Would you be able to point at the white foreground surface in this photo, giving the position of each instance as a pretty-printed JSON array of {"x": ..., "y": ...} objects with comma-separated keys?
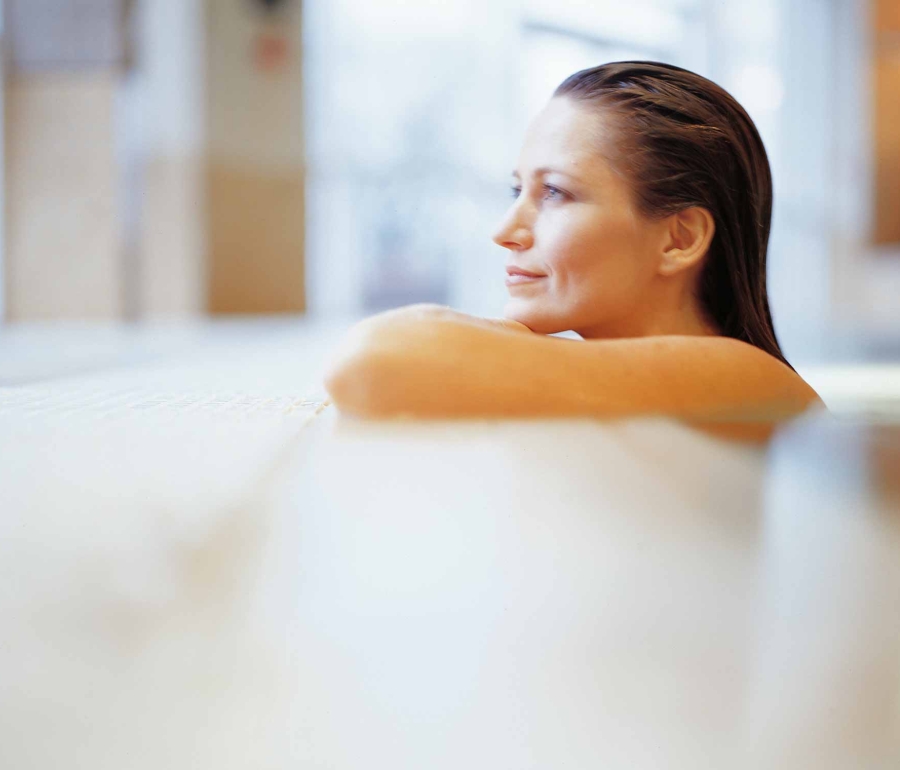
[{"x": 203, "y": 569}]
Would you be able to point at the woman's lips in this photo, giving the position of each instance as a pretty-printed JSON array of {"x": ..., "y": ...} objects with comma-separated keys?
[{"x": 516, "y": 276}]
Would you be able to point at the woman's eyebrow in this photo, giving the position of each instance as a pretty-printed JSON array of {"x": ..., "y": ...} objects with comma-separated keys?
[{"x": 548, "y": 170}]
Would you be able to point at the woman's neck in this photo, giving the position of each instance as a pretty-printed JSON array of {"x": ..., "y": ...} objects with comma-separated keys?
[{"x": 670, "y": 311}]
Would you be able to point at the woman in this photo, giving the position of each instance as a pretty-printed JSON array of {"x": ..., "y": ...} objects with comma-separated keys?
[{"x": 643, "y": 200}]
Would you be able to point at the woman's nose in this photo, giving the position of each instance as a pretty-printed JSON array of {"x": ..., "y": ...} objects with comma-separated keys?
[{"x": 513, "y": 232}]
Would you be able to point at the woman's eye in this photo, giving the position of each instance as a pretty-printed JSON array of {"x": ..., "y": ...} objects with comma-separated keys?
[
  {"x": 554, "y": 193},
  {"x": 550, "y": 192}
]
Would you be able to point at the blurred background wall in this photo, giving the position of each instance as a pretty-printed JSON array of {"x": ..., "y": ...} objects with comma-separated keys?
[{"x": 175, "y": 158}]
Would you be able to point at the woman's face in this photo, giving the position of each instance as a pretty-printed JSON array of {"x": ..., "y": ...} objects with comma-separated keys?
[{"x": 580, "y": 255}]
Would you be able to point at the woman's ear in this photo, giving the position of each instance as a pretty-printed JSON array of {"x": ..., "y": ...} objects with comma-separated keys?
[{"x": 689, "y": 234}]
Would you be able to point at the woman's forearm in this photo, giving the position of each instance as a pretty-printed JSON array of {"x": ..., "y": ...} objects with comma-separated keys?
[
  {"x": 438, "y": 363},
  {"x": 444, "y": 367},
  {"x": 423, "y": 361}
]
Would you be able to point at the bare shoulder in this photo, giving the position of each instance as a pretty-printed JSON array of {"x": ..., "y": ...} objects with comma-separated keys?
[
  {"x": 745, "y": 358},
  {"x": 724, "y": 365}
]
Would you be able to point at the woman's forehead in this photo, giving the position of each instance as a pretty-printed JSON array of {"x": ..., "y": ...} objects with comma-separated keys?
[{"x": 565, "y": 136}]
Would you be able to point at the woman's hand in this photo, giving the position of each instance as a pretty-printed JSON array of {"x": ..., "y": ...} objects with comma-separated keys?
[{"x": 508, "y": 323}]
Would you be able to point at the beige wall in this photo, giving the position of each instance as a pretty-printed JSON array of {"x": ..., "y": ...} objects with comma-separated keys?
[
  {"x": 255, "y": 241},
  {"x": 62, "y": 235},
  {"x": 255, "y": 175},
  {"x": 886, "y": 94}
]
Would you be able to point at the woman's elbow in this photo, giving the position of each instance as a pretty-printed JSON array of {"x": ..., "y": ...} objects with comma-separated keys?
[
  {"x": 386, "y": 367},
  {"x": 358, "y": 379},
  {"x": 351, "y": 382}
]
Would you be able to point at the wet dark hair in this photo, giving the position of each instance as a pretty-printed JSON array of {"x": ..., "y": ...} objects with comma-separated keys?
[{"x": 684, "y": 141}]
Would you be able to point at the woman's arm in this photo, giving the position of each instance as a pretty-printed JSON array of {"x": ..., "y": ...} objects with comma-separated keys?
[{"x": 432, "y": 362}]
